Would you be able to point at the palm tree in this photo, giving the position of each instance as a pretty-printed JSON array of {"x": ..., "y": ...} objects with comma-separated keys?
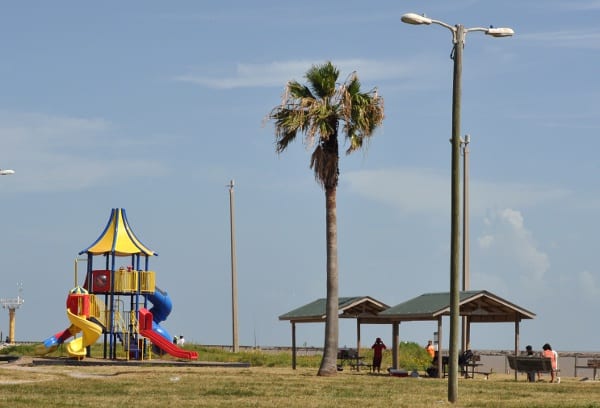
[{"x": 316, "y": 110}]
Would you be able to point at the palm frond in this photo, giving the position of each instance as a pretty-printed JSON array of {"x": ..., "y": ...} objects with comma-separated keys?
[
  {"x": 298, "y": 91},
  {"x": 363, "y": 113},
  {"x": 353, "y": 84},
  {"x": 323, "y": 79},
  {"x": 288, "y": 122}
]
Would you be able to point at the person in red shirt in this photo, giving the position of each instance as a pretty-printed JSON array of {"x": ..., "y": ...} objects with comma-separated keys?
[{"x": 378, "y": 348}]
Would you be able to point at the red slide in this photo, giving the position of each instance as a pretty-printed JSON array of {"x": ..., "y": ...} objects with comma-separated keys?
[{"x": 159, "y": 341}]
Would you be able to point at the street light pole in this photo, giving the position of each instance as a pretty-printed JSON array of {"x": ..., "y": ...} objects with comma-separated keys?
[
  {"x": 455, "y": 216},
  {"x": 459, "y": 33}
]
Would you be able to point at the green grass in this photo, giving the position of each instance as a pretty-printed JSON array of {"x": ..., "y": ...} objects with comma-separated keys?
[
  {"x": 271, "y": 384},
  {"x": 411, "y": 355}
]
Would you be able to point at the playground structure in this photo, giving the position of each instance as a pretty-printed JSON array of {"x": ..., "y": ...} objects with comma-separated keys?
[
  {"x": 12, "y": 304},
  {"x": 114, "y": 301}
]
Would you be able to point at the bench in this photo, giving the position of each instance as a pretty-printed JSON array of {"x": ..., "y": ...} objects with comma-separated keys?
[{"x": 530, "y": 364}]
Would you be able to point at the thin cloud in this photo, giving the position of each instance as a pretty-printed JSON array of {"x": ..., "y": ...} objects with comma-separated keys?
[
  {"x": 18, "y": 128},
  {"x": 589, "y": 285},
  {"x": 486, "y": 195},
  {"x": 57, "y": 153},
  {"x": 426, "y": 191},
  {"x": 253, "y": 16},
  {"x": 276, "y": 74},
  {"x": 407, "y": 190},
  {"x": 581, "y": 38},
  {"x": 485, "y": 241},
  {"x": 584, "y": 119},
  {"x": 580, "y": 5}
]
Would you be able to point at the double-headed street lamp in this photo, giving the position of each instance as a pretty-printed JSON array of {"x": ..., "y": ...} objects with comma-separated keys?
[{"x": 459, "y": 33}]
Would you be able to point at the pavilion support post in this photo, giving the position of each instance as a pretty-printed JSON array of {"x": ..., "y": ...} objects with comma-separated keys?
[
  {"x": 468, "y": 338},
  {"x": 293, "y": 345},
  {"x": 440, "y": 360},
  {"x": 395, "y": 344},
  {"x": 517, "y": 335},
  {"x": 357, "y": 342}
]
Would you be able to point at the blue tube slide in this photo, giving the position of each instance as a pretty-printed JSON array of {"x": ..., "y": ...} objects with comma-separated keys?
[{"x": 161, "y": 308}]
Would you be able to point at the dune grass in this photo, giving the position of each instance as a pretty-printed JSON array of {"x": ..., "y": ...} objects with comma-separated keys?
[{"x": 270, "y": 384}]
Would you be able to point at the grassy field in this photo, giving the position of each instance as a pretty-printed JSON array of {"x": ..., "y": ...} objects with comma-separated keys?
[{"x": 272, "y": 383}]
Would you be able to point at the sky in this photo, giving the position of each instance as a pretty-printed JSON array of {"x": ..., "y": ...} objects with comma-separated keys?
[{"x": 155, "y": 106}]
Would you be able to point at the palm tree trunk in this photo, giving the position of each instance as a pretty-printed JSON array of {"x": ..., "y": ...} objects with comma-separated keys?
[{"x": 329, "y": 362}]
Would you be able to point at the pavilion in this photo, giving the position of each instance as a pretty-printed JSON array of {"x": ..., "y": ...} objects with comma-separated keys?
[{"x": 478, "y": 306}]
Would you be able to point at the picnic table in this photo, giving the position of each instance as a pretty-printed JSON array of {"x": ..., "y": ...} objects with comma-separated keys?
[
  {"x": 594, "y": 364},
  {"x": 473, "y": 365},
  {"x": 349, "y": 356},
  {"x": 467, "y": 368}
]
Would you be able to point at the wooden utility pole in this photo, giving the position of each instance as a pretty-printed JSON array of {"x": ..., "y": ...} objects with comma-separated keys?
[{"x": 234, "y": 305}]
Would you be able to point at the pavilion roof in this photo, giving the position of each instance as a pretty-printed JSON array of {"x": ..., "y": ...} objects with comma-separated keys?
[
  {"x": 480, "y": 305},
  {"x": 349, "y": 307}
]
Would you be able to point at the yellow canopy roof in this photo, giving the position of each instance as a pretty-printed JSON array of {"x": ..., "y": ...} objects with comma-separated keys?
[{"x": 118, "y": 238}]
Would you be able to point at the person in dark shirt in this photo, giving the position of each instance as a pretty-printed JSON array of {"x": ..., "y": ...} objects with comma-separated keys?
[
  {"x": 529, "y": 353},
  {"x": 378, "y": 348}
]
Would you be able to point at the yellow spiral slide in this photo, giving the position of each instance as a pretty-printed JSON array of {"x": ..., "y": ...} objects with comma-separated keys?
[{"x": 90, "y": 333}]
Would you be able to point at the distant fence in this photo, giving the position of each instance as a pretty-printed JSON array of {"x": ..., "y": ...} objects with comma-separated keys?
[
  {"x": 304, "y": 350},
  {"x": 571, "y": 363}
]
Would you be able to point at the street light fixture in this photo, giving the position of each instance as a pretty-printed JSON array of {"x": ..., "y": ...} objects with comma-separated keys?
[
  {"x": 459, "y": 33},
  {"x": 417, "y": 19},
  {"x": 6, "y": 172}
]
